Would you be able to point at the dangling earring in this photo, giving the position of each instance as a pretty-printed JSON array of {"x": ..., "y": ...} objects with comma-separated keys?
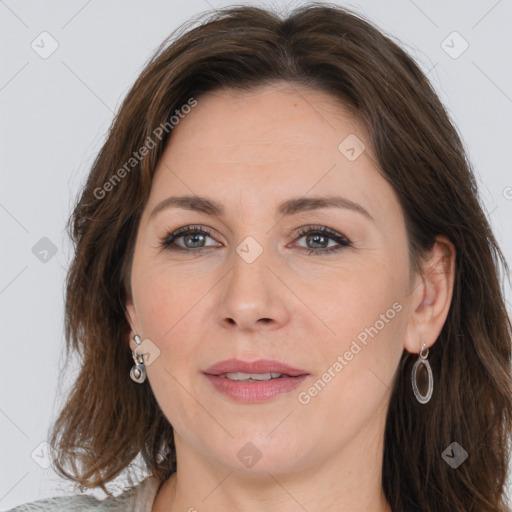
[
  {"x": 138, "y": 371},
  {"x": 422, "y": 378}
]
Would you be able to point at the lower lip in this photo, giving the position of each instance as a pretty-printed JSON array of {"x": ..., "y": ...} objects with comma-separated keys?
[{"x": 250, "y": 392}]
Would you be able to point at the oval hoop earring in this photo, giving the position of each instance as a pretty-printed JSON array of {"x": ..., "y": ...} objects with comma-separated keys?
[
  {"x": 138, "y": 370},
  {"x": 422, "y": 377}
]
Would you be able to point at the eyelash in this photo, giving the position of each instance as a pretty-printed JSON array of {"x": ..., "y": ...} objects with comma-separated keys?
[{"x": 167, "y": 241}]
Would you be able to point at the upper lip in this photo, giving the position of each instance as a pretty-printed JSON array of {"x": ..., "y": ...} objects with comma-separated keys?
[{"x": 258, "y": 366}]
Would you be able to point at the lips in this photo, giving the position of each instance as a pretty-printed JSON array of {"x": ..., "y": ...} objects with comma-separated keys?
[{"x": 259, "y": 366}]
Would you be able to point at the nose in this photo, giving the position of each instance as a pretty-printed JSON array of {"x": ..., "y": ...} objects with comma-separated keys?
[{"x": 253, "y": 295}]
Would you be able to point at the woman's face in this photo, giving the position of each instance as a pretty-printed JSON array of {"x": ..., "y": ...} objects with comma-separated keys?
[{"x": 255, "y": 288}]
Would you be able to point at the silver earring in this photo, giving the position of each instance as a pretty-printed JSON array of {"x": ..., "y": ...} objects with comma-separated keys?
[
  {"x": 138, "y": 371},
  {"x": 422, "y": 378}
]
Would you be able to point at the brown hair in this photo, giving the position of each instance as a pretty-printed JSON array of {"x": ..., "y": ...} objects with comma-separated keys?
[{"x": 108, "y": 419}]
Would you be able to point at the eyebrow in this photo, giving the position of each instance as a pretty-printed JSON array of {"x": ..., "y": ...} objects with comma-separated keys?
[{"x": 288, "y": 207}]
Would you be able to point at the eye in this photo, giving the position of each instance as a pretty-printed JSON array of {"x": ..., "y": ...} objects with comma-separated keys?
[
  {"x": 321, "y": 235},
  {"x": 194, "y": 237}
]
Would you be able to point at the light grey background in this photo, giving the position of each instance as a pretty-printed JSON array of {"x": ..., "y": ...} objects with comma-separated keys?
[{"x": 55, "y": 112}]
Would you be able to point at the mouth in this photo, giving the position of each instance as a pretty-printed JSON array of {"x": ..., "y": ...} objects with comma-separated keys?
[{"x": 254, "y": 381}]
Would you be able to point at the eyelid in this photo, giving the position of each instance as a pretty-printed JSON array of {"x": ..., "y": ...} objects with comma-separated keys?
[
  {"x": 181, "y": 231},
  {"x": 303, "y": 230}
]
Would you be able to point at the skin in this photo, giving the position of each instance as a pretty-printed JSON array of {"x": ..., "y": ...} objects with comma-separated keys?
[{"x": 251, "y": 151}]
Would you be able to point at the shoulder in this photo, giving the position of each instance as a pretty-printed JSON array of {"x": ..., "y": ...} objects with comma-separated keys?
[
  {"x": 58, "y": 503},
  {"x": 139, "y": 499}
]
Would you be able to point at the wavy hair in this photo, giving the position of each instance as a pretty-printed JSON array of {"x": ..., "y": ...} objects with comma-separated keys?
[{"x": 107, "y": 420}]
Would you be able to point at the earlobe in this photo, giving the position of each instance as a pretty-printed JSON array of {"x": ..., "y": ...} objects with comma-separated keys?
[{"x": 432, "y": 298}]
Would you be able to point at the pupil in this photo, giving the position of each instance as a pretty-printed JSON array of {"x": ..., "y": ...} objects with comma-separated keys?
[
  {"x": 316, "y": 237},
  {"x": 188, "y": 237}
]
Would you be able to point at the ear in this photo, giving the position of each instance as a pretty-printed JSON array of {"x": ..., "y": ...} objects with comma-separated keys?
[
  {"x": 132, "y": 319},
  {"x": 431, "y": 296}
]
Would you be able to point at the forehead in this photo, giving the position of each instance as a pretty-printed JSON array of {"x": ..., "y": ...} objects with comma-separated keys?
[
  {"x": 267, "y": 116},
  {"x": 271, "y": 142}
]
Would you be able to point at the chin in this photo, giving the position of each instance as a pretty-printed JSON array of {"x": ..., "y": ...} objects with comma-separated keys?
[{"x": 258, "y": 457}]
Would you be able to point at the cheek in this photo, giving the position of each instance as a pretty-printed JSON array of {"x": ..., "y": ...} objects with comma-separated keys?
[
  {"x": 167, "y": 308},
  {"x": 167, "y": 314},
  {"x": 356, "y": 367},
  {"x": 364, "y": 311},
  {"x": 352, "y": 298},
  {"x": 163, "y": 295}
]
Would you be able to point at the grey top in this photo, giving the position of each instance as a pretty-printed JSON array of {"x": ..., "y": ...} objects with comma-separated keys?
[{"x": 139, "y": 498}]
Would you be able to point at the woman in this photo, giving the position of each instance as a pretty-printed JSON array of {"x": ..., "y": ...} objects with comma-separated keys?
[{"x": 281, "y": 243}]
